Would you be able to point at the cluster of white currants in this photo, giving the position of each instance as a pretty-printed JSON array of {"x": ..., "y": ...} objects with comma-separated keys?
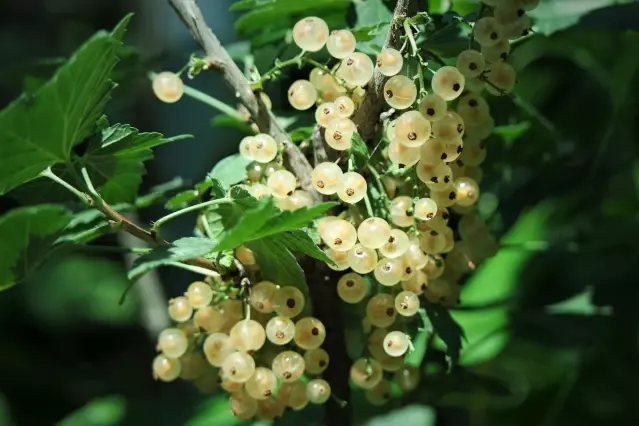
[{"x": 259, "y": 360}]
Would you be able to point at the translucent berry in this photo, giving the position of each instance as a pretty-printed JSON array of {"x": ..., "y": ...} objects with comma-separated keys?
[
  {"x": 238, "y": 367},
  {"x": 416, "y": 254},
  {"x": 262, "y": 295},
  {"x": 519, "y": 28},
  {"x": 299, "y": 199},
  {"x": 339, "y": 235},
  {"x": 293, "y": 395},
  {"x": 435, "y": 266},
  {"x": 217, "y": 347},
  {"x": 309, "y": 333},
  {"x": 353, "y": 188},
  {"x": 390, "y": 62},
  {"x": 302, "y": 95},
  {"x": 380, "y": 394},
  {"x": 417, "y": 284},
  {"x": 209, "y": 319},
  {"x": 373, "y": 232},
  {"x": 507, "y": 12},
  {"x": 318, "y": 391},
  {"x": 401, "y": 211},
  {"x": 327, "y": 178},
  {"x": 262, "y": 383},
  {"x": 310, "y": 33},
  {"x": 497, "y": 53},
  {"x": 339, "y": 133},
  {"x": 280, "y": 330},
  {"x": 229, "y": 385},
  {"x": 449, "y": 128},
  {"x": 488, "y": 31},
  {"x": 400, "y": 92},
  {"x": 180, "y": 309},
  {"x": 407, "y": 303},
  {"x": 288, "y": 366},
  {"x": 467, "y": 191},
  {"x": 173, "y": 342},
  {"x": 433, "y": 152},
  {"x": 388, "y": 272},
  {"x": 432, "y": 241},
  {"x": 425, "y": 209},
  {"x": 448, "y": 83},
  {"x": 193, "y": 365},
  {"x": 396, "y": 245},
  {"x": 344, "y": 106},
  {"x": 339, "y": 257},
  {"x": 362, "y": 259},
  {"x": 473, "y": 109},
  {"x": 407, "y": 377},
  {"x": 396, "y": 343},
  {"x": 270, "y": 409},
  {"x": 263, "y": 148},
  {"x": 288, "y": 301},
  {"x": 474, "y": 152},
  {"x": 341, "y": 43},
  {"x": 165, "y": 368},
  {"x": 453, "y": 150},
  {"x": 282, "y": 183},
  {"x": 433, "y": 107},
  {"x": 247, "y": 335},
  {"x": 168, "y": 87},
  {"x": 470, "y": 63},
  {"x": 257, "y": 190},
  {"x": 401, "y": 155},
  {"x": 501, "y": 78},
  {"x": 412, "y": 129},
  {"x": 351, "y": 288},
  {"x": 316, "y": 360},
  {"x": 242, "y": 405},
  {"x": 356, "y": 69},
  {"x": 435, "y": 177},
  {"x": 380, "y": 308},
  {"x": 450, "y": 239},
  {"x": 325, "y": 113},
  {"x": 245, "y": 147},
  {"x": 366, "y": 373}
]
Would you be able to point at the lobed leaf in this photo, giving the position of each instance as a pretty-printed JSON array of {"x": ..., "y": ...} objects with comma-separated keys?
[{"x": 231, "y": 170}]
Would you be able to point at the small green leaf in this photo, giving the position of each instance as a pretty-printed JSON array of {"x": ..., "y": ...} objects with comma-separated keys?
[
  {"x": 552, "y": 16},
  {"x": 184, "y": 199},
  {"x": 27, "y": 235},
  {"x": 448, "y": 330},
  {"x": 369, "y": 32},
  {"x": 232, "y": 122},
  {"x": 179, "y": 251},
  {"x": 300, "y": 242},
  {"x": 231, "y": 170},
  {"x": 292, "y": 220},
  {"x": 247, "y": 226},
  {"x": 277, "y": 263},
  {"x": 359, "y": 151},
  {"x": 371, "y": 13},
  {"x": 512, "y": 132},
  {"x": 158, "y": 193},
  {"x": 301, "y": 133}
]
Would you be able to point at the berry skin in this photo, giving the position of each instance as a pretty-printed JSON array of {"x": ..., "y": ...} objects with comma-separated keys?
[
  {"x": 435, "y": 266},
  {"x": 380, "y": 310},
  {"x": 168, "y": 87},
  {"x": 318, "y": 391},
  {"x": 497, "y": 53},
  {"x": 435, "y": 177},
  {"x": 353, "y": 188},
  {"x": 449, "y": 128},
  {"x": 396, "y": 245},
  {"x": 238, "y": 367},
  {"x": 199, "y": 294},
  {"x": 327, "y": 178},
  {"x": 373, "y": 232},
  {"x": 412, "y": 129},
  {"x": 309, "y": 333},
  {"x": 470, "y": 63},
  {"x": 344, "y": 107},
  {"x": 257, "y": 190},
  {"x": 262, "y": 383},
  {"x": 401, "y": 211},
  {"x": 245, "y": 147},
  {"x": 339, "y": 133},
  {"x": 325, "y": 113},
  {"x": 280, "y": 330},
  {"x": 165, "y": 368},
  {"x": 488, "y": 31},
  {"x": 173, "y": 342},
  {"x": 433, "y": 107},
  {"x": 310, "y": 33},
  {"x": 356, "y": 69},
  {"x": 302, "y": 95},
  {"x": 339, "y": 235},
  {"x": 406, "y": 303},
  {"x": 433, "y": 152},
  {"x": 388, "y": 272},
  {"x": 390, "y": 62},
  {"x": 362, "y": 259},
  {"x": 242, "y": 405},
  {"x": 217, "y": 347},
  {"x": 425, "y": 209},
  {"x": 247, "y": 335},
  {"x": 400, "y": 92},
  {"x": 299, "y": 199},
  {"x": 448, "y": 83},
  {"x": 395, "y": 343},
  {"x": 282, "y": 183},
  {"x": 288, "y": 366},
  {"x": 417, "y": 284},
  {"x": 432, "y": 241},
  {"x": 341, "y": 43},
  {"x": 407, "y": 377},
  {"x": 474, "y": 152},
  {"x": 473, "y": 109},
  {"x": 501, "y": 78},
  {"x": 416, "y": 255},
  {"x": 288, "y": 301},
  {"x": 180, "y": 309},
  {"x": 467, "y": 191},
  {"x": 316, "y": 360},
  {"x": 366, "y": 373},
  {"x": 269, "y": 410},
  {"x": 351, "y": 288},
  {"x": 401, "y": 155},
  {"x": 264, "y": 148},
  {"x": 293, "y": 395},
  {"x": 339, "y": 257},
  {"x": 262, "y": 295},
  {"x": 508, "y": 12}
]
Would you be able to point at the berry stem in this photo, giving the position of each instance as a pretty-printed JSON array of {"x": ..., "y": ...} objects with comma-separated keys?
[
  {"x": 411, "y": 37},
  {"x": 206, "y": 227},
  {"x": 369, "y": 208},
  {"x": 197, "y": 270},
  {"x": 171, "y": 216},
  {"x": 48, "y": 173}
]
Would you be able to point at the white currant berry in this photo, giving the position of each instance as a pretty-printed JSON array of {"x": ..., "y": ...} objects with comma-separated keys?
[
  {"x": 302, "y": 95},
  {"x": 488, "y": 31},
  {"x": 264, "y": 148},
  {"x": 299, "y": 199},
  {"x": 396, "y": 343},
  {"x": 481, "y": 131},
  {"x": 388, "y": 272},
  {"x": 366, "y": 373},
  {"x": 435, "y": 177},
  {"x": 165, "y": 368},
  {"x": 390, "y": 62},
  {"x": 209, "y": 319},
  {"x": 507, "y": 12},
  {"x": 199, "y": 294},
  {"x": 261, "y": 296},
  {"x": 310, "y": 33},
  {"x": 435, "y": 266},
  {"x": 339, "y": 257},
  {"x": 470, "y": 63},
  {"x": 242, "y": 405},
  {"x": 396, "y": 245},
  {"x": 173, "y": 342},
  {"x": 448, "y": 83},
  {"x": 217, "y": 347},
  {"x": 401, "y": 211},
  {"x": 380, "y": 394},
  {"x": 262, "y": 383},
  {"x": 168, "y": 87},
  {"x": 238, "y": 367},
  {"x": 453, "y": 150},
  {"x": 356, "y": 69},
  {"x": 351, "y": 288},
  {"x": 417, "y": 284},
  {"x": 353, "y": 188},
  {"x": 245, "y": 147},
  {"x": 293, "y": 395},
  {"x": 341, "y": 43},
  {"x": 449, "y": 128},
  {"x": 407, "y": 303},
  {"x": 403, "y": 156},
  {"x": 362, "y": 259},
  {"x": 416, "y": 254},
  {"x": 344, "y": 106},
  {"x": 180, "y": 309},
  {"x": 247, "y": 335},
  {"x": 400, "y": 92},
  {"x": 270, "y": 409},
  {"x": 280, "y": 330},
  {"x": 327, "y": 178},
  {"x": 433, "y": 152},
  {"x": 432, "y": 241},
  {"x": 288, "y": 366},
  {"x": 373, "y": 232},
  {"x": 282, "y": 183},
  {"x": 309, "y": 333},
  {"x": 498, "y": 52},
  {"x": 380, "y": 309},
  {"x": 325, "y": 113},
  {"x": 517, "y": 29},
  {"x": 473, "y": 109},
  {"x": 433, "y": 107},
  {"x": 474, "y": 152},
  {"x": 412, "y": 129},
  {"x": 449, "y": 236},
  {"x": 316, "y": 360},
  {"x": 425, "y": 209},
  {"x": 339, "y": 235},
  {"x": 467, "y": 191},
  {"x": 500, "y": 78},
  {"x": 407, "y": 377},
  {"x": 339, "y": 133},
  {"x": 257, "y": 190},
  {"x": 288, "y": 301},
  {"x": 318, "y": 391}
]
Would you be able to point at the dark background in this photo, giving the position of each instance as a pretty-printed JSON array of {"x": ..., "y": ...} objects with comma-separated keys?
[{"x": 551, "y": 322}]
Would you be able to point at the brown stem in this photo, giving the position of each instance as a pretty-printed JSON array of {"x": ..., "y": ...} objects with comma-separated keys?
[
  {"x": 192, "y": 17},
  {"x": 367, "y": 115}
]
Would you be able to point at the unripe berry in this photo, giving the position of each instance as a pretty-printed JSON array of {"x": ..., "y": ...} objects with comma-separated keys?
[
  {"x": 280, "y": 330},
  {"x": 390, "y": 62},
  {"x": 351, "y": 288},
  {"x": 448, "y": 83},
  {"x": 302, "y": 95},
  {"x": 435, "y": 266},
  {"x": 310, "y": 33},
  {"x": 400, "y": 92},
  {"x": 257, "y": 190},
  {"x": 168, "y": 87},
  {"x": 341, "y": 43},
  {"x": 356, "y": 69},
  {"x": 353, "y": 188}
]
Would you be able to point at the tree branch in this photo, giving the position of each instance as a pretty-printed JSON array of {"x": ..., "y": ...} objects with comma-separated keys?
[
  {"x": 367, "y": 115},
  {"x": 222, "y": 62}
]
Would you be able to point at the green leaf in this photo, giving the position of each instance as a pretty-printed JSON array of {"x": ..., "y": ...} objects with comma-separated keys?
[
  {"x": 105, "y": 411},
  {"x": 158, "y": 193},
  {"x": 369, "y": 32},
  {"x": 277, "y": 263},
  {"x": 27, "y": 234},
  {"x": 231, "y": 170},
  {"x": 115, "y": 162},
  {"x": 359, "y": 151},
  {"x": 372, "y": 13},
  {"x": 293, "y": 220},
  {"x": 411, "y": 415},
  {"x": 232, "y": 122},
  {"x": 300, "y": 242},
  {"x": 39, "y": 130},
  {"x": 186, "y": 198},
  {"x": 448, "y": 330},
  {"x": 301, "y": 133},
  {"x": 179, "y": 251},
  {"x": 512, "y": 132},
  {"x": 580, "y": 304},
  {"x": 551, "y": 15},
  {"x": 247, "y": 226}
]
